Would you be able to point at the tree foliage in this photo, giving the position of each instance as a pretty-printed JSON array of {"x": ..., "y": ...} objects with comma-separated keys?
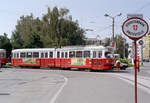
[
  {"x": 121, "y": 45},
  {"x": 34, "y": 42},
  {"x": 5, "y": 44},
  {"x": 56, "y": 28}
]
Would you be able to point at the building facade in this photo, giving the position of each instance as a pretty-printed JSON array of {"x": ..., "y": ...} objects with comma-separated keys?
[{"x": 146, "y": 48}]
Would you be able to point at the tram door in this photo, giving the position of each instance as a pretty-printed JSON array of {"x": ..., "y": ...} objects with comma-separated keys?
[{"x": 97, "y": 60}]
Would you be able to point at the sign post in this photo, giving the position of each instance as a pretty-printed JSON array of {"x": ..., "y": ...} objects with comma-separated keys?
[{"x": 135, "y": 28}]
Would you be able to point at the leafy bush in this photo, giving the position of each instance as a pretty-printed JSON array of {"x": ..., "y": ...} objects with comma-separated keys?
[{"x": 125, "y": 61}]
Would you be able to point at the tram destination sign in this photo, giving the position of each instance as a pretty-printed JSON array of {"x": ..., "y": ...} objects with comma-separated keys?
[{"x": 135, "y": 28}]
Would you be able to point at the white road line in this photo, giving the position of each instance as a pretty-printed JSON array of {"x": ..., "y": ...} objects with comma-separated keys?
[
  {"x": 59, "y": 91},
  {"x": 130, "y": 79}
]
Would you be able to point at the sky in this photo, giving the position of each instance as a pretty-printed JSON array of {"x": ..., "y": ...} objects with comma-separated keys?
[{"x": 89, "y": 13}]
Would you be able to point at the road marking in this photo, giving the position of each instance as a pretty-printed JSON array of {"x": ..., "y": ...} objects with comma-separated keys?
[
  {"x": 142, "y": 83},
  {"x": 59, "y": 91}
]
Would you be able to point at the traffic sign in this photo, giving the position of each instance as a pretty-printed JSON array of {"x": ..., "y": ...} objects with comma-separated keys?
[
  {"x": 135, "y": 28},
  {"x": 141, "y": 42},
  {"x": 134, "y": 15}
]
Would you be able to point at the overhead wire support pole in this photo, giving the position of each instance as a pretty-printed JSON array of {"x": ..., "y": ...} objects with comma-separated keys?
[
  {"x": 113, "y": 33},
  {"x": 113, "y": 24}
]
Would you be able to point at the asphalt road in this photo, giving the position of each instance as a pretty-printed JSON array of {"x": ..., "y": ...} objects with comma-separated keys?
[{"x": 63, "y": 86}]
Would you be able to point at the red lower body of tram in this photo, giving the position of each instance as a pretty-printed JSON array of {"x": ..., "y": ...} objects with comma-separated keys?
[
  {"x": 97, "y": 64},
  {"x": 2, "y": 61}
]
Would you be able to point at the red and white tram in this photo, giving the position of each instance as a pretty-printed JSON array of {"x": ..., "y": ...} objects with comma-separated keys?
[
  {"x": 91, "y": 57},
  {"x": 2, "y": 57}
]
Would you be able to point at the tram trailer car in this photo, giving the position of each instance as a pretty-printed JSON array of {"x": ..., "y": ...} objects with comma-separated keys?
[
  {"x": 91, "y": 57},
  {"x": 2, "y": 57}
]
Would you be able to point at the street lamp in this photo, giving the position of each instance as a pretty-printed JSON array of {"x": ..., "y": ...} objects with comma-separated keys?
[{"x": 113, "y": 22}]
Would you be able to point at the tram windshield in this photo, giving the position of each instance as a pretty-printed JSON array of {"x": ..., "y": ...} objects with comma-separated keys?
[{"x": 108, "y": 55}]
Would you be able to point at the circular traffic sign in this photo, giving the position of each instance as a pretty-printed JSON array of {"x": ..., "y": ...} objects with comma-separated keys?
[
  {"x": 141, "y": 42},
  {"x": 135, "y": 28}
]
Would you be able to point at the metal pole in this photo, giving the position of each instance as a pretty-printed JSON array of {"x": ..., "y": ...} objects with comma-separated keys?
[
  {"x": 142, "y": 54},
  {"x": 113, "y": 23},
  {"x": 124, "y": 49},
  {"x": 135, "y": 71}
]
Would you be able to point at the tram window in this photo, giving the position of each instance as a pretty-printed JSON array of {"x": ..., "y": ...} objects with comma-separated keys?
[
  {"x": 99, "y": 54},
  {"x": 35, "y": 54},
  {"x": 46, "y": 55},
  {"x": 86, "y": 54},
  {"x": 14, "y": 55},
  {"x": 58, "y": 54},
  {"x": 66, "y": 54},
  {"x": 79, "y": 54},
  {"x": 50, "y": 54},
  {"x": 17, "y": 55},
  {"x": 22, "y": 55},
  {"x": 42, "y": 55},
  {"x": 72, "y": 54},
  {"x": 107, "y": 55},
  {"x": 29, "y": 55},
  {"x": 62, "y": 54},
  {"x": 2, "y": 55},
  {"x": 94, "y": 54}
]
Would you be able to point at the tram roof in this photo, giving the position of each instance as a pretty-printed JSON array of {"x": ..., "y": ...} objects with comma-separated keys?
[
  {"x": 2, "y": 50},
  {"x": 65, "y": 48},
  {"x": 33, "y": 50},
  {"x": 87, "y": 47}
]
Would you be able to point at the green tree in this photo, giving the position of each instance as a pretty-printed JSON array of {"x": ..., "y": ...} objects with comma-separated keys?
[
  {"x": 121, "y": 45},
  {"x": 5, "y": 44},
  {"x": 34, "y": 42},
  {"x": 55, "y": 29},
  {"x": 107, "y": 41},
  {"x": 16, "y": 40}
]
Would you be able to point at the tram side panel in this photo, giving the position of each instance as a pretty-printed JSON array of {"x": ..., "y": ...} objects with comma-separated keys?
[
  {"x": 65, "y": 63},
  {"x": 102, "y": 64},
  {"x": 16, "y": 61},
  {"x": 2, "y": 57},
  {"x": 29, "y": 62},
  {"x": 80, "y": 63}
]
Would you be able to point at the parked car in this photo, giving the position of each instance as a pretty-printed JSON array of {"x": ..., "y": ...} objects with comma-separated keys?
[
  {"x": 123, "y": 66},
  {"x": 146, "y": 60}
]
